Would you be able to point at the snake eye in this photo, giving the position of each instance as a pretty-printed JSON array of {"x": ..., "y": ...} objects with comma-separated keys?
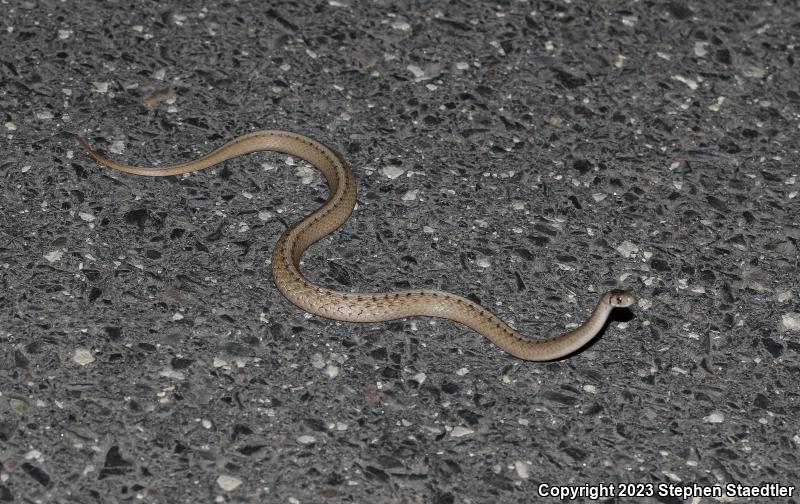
[{"x": 619, "y": 298}]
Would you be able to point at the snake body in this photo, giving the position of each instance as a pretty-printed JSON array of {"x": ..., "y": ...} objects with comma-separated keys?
[{"x": 369, "y": 307}]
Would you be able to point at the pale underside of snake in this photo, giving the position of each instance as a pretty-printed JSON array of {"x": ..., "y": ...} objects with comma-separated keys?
[{"x": 368, "y": 306}]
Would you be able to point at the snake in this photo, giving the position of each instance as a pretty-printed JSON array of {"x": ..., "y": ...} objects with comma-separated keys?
[{"x": 369, "y": 306}]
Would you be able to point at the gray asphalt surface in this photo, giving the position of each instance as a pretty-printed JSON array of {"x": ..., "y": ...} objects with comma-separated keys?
[{"x": 529, "y": 155}]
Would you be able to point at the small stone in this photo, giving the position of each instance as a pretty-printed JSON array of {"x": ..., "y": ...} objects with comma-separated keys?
[
  {"x": 401, "y": 25},
  {"x": 332, "y": 371},
  {"x": 54, "y": 256},
  {"x": 715, "y": 417},
  {"x": 86, "y": 216},
  {"x": 791, "y": 321},
  {"x": 306, "y": 174},
  {"x": 306, "y": 440},
  {"x": 758, "y": 286},
  {"x": 627, "y": 249},
  {"x": 753, "y": 71},
  {"x": 18, "y": 405},
  {"x": 700, "y": 49},
  {"x": 410, "y": 195},
  {"x": 171, "y": 373},
  {"x": 392, "y": 172},
  {"x": 714, "y": 107},
  {"x": 691, "y": 83},
  {"x": 522, "y": 469},
  {"x": 460, "y": 432},
  {"x": 419, "y": 73},
  {"x": 83, "y": 356},
  {"x": 100, "y": 87},
  {"x": 317, "y": 361},
  {"x": 117, "y": 147},
  {"x": 33, "y": 455},
  {"x": 228, "y": 483}
]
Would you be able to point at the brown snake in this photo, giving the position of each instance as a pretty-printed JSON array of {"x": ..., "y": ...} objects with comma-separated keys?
[{"x": 378, "y": 306}]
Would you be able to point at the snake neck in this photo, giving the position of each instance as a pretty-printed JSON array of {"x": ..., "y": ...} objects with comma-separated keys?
[{"x": 586, "y": 332}]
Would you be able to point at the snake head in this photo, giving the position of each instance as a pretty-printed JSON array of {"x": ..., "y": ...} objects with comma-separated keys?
[{"x": 617, "y": 298}]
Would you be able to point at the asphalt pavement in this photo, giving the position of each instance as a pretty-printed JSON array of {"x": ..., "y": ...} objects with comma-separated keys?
[{"x": 527, "y": 155}]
